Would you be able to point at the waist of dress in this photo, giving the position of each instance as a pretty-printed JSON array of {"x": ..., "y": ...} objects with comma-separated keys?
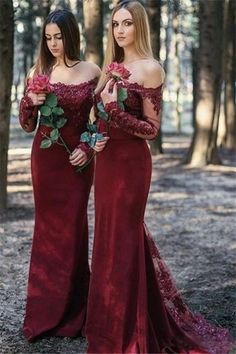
[
  {"x": 65, "y": 131},
  {"x": 119, "y": 134}
]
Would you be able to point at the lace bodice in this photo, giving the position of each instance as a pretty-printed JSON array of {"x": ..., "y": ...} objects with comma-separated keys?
[
  {"x": 141, "y": 116},
  {"x": 75, "y": 99}
]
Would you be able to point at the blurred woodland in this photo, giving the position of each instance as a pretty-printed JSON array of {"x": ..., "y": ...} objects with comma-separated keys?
[{"x": 194, "y": 40}]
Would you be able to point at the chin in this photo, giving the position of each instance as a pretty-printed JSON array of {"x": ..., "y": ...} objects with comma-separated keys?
[{"x": 121, "y": 45}]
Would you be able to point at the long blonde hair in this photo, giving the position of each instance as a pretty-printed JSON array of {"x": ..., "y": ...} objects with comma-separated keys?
[{"x": 142, "y": 38}]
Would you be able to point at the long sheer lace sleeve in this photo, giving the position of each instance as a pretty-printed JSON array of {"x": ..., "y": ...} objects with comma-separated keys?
[
  {"x": 28, "y": 114},
  {"x": 148, "y": 126}
]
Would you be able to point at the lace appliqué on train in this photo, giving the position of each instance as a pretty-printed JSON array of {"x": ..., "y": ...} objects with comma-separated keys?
[{"x": 213, "y": 339}]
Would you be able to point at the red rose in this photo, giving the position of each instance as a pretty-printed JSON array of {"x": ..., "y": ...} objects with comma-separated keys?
[
  {"x": 39, "y": 83},
  {"x": 117, "y": 71}
]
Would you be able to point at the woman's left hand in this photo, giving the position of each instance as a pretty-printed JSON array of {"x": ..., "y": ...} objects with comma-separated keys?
[
  {"x": 109, "y": 93},
  {"x": 78, "y": 157}
]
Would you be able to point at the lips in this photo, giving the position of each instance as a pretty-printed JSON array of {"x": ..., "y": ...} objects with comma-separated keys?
[{"x": 120, "y": 38}]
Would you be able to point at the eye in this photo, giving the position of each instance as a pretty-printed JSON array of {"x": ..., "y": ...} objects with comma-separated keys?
[
  {"x": 58, "y": 36},
  {"x": 128, "y": 23},
  {"x": 48, "y": 38},
  {"x": 114, "y": 24}
]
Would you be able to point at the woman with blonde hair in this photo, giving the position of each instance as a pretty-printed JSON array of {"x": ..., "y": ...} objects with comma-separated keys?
[{"x": 133, "y": 304}]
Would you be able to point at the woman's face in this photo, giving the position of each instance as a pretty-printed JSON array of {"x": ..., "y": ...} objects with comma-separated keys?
[
  {"x": 123, "y": 28},
  {"x": 54, "y": 41}
]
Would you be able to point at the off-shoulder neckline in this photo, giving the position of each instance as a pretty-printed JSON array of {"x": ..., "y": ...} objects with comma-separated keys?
[
  {"x": 74, "y": 85},
  {"x": 143, "y": 87}
]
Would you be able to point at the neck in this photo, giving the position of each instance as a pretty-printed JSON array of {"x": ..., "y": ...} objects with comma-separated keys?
[
  {"x": 60, "y": 62},
  {"x": 130, "y": 55}
]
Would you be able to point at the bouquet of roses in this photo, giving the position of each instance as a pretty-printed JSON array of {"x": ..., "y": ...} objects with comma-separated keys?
[
  {"x": 117, "y": 72},
  {"x": 51, "y": 114}
]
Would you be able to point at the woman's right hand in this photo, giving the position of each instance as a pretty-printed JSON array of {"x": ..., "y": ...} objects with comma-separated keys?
[
  {"x": 37, "y": 98},
  {"x": 100, "y": 144}
]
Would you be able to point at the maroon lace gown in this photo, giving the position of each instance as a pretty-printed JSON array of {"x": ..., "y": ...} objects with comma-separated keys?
[
  {"x": 59, "y": 272},
  {"x": 133, "y": 304}
]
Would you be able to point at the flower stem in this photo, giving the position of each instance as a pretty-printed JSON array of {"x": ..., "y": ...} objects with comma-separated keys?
[
  {"x": 80, "y": 168},
  {"x": 64, "y": 144}
]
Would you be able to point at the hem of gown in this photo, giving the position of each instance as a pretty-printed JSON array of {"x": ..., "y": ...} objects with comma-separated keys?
[{"x": 33, "y": 337}]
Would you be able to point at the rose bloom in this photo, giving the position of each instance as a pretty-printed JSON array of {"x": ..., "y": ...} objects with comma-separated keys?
[
  {"x": 39, "y": 83},
  {"x": 117, "y": 71}
]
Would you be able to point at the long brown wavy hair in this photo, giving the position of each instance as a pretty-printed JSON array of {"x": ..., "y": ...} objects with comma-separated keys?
[{"x": 69, "y": 28}]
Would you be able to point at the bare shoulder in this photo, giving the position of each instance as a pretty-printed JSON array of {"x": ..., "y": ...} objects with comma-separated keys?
[
  {"x": 93, "y": 70},
  {"x": 154, "y": 74}
]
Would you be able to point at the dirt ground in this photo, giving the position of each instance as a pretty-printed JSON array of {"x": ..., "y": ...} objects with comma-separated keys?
[{"x": 191, "y": 214}]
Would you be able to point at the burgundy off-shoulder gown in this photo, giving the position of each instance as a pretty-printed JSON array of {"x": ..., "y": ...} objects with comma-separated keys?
[
  {"x": 59, "y": 272},
  {"x": 133, "y": 304}
]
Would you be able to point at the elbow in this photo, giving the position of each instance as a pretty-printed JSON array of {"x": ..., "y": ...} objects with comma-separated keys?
[
  {"x": 28, "y": 128},
  {"x": 153, "y": 135}
]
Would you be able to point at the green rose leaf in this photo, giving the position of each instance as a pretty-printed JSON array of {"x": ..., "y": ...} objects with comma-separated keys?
[
  {"x": 121, "y": 105},
  {"x": 46, "y": 121},
  {"x": 103, "y": 115},
  {"x": 45, "y": 143},
  {"x": 85, "y": 137},
  {"x": 99, "y": 136},
  {"x": 54, "y": 135},
  {"x": 100, "y": 107},
  {"x": 60, "y": 122},
  {"x": 45, "y": 111},
  {"x": 57, "y": 111},
  {"x": 122, "y": 94},
  {"x": 92, "y": 128},
  {"x": 101, "y": 111},
  {"x": 51, "y": 100}
]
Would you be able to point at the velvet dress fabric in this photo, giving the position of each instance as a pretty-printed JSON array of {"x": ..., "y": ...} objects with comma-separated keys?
[
  {"x": 59, "y": 271},
  {"x": 133, "y": 304}
]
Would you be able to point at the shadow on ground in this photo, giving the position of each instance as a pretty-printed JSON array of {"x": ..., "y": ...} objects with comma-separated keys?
[{"x": 191, "y": 214}]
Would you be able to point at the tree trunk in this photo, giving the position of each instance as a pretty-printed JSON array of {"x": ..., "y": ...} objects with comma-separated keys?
[
  {"x": 6, "y": 76},
  {"x": 45, "y": 8},
  {"x": 154, "y": 14},
  {"x": 229, "y": 140},
  {"x": 194, "y": 78},
  {"x": 93, "y": 25},
  {"x": 29, "y": 45},
  {"x": 203, "y": 148},
  {"x": 177, "y": 80}
]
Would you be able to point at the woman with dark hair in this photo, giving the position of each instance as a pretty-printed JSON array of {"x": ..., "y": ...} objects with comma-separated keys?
[
  {"x": 133, "y": 304},
  {"x": 59, "y": 272}
]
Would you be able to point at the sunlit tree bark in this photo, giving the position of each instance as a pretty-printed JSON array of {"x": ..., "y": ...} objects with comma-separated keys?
[
  {"x": 203, "y": 148},
  {"x": 93, "y": 26},
  {"x": 177, "y": 80}
]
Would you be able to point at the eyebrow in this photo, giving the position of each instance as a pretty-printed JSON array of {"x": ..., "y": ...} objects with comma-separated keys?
[
  {"x": 126, "y": 19},
  {"x": 47, "y": 34}
]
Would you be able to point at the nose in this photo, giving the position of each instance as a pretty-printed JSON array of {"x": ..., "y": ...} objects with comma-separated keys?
[
  {"x": 54, "y": 42},
  {"x": 120, "y": 28}
]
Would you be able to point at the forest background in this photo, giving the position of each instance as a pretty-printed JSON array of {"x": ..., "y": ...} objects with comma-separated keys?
[{"x": 193, "y": 193}]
